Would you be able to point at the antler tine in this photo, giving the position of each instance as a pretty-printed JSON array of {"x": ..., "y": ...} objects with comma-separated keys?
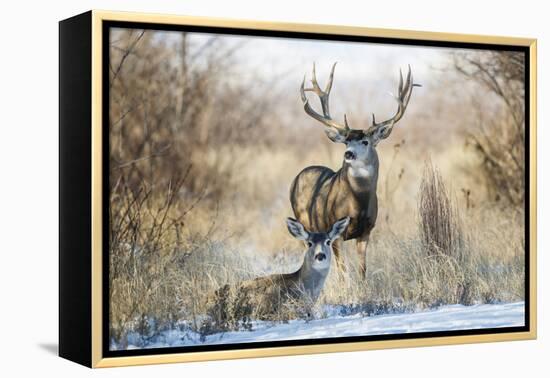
[
  {"x": 303, "y": 90},
  {"x": 403, "y": 96},
  {"x": 324, "y": 98},
  {"x": 330, "y": 78},
  {"x": 401, "y": 80},
  {"x": 314, "y": 82}
]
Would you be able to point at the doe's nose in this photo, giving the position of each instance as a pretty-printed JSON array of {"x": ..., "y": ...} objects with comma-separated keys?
[
  {"x": 320, "y": 256},
  {"x": 349, "y": 155}
]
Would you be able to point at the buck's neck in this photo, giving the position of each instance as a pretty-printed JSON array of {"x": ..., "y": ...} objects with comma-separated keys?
[{"x": 361, "y": 176}]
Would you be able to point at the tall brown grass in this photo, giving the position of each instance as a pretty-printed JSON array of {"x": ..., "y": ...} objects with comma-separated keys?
[
  {"x": 440, "y": 225},
  {"x": 411, "y": 265}
]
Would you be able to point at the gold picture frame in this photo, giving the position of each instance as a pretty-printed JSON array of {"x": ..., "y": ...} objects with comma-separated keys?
[{"x": 87, "y": 333}]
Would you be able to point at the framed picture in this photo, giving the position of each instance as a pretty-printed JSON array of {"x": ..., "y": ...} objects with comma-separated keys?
[{"x": 235, "y": 189}]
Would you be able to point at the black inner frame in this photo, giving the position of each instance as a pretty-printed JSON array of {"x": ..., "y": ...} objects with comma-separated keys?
[{"x": 106, "y": 25}]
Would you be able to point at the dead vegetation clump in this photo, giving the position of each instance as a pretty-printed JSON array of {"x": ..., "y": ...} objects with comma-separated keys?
[
  {"x": 145, "y": 246},
  {"x": 236, "y": 307},
  {"x": 440, "y": 227},
  {"x": 499, "y": 139}
]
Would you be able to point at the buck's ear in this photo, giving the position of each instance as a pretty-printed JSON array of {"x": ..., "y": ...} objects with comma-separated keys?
[
  {"x": 382, "y": 133},
  {"x": 296, "y": 229},
  {"x": 335, "y": 136},
  {"x": 338, "y": 228}
]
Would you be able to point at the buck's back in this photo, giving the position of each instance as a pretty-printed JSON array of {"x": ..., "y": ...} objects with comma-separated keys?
[{"x": 308, "y": 193}]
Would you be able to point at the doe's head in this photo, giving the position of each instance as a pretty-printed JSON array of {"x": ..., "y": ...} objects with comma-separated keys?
[{"x": 319, "y": 244}]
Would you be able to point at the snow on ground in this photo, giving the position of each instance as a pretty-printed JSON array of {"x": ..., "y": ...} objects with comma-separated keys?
[{"x": 445, "y": 318}]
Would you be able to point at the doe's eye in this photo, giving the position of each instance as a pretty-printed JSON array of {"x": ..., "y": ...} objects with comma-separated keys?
[
  {"x": 309, "y": 244},
  {"x": 327, "y": 242},
  {"x": 365, "y": 142}
]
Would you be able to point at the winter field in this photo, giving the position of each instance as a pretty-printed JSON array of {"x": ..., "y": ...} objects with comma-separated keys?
[
  {"x": 204, "y": 143},
  {"x": 452, "y": 317}
]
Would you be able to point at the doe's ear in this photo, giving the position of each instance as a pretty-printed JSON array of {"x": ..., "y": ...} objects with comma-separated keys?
[
  {"x": 338, "y": 228},
  {"x": 335, "y": 136},
  {"x": 296, "y": 229}
]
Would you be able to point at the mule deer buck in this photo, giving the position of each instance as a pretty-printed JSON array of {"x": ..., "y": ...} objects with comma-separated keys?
[
  {"x": 319, "y": 195},
  {"x": 266, "y": 298}
]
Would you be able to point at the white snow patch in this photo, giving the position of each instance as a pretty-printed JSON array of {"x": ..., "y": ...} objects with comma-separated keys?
[{"x": 445, "y": 318}]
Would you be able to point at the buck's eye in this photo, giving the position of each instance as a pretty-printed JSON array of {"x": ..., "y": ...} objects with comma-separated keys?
[
  {"x": 309, "y": 244},
  {"x": 327, "y": 242},
  {"x": 365, "y": 142}
]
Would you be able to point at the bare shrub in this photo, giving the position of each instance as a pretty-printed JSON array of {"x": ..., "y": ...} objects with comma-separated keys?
[
  {"x": 234, "y": 307},
  {"x": 171, "y": 106},
  {"x": 500, "y": 139},
  {"x": 228, "y": 310},
  {"x": 440, "y": 227},
  {"x": 145, "y": 244}
]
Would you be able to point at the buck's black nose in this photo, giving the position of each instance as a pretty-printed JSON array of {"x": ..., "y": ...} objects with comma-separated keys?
[
  {"x": 348, "y": 155},
  {"x": 320, "y": 256}
]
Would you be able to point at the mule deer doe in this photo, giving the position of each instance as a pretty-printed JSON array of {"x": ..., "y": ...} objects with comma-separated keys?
[
  {"x": 319, "y": 195},
  {"x": 266, "y": 298}
]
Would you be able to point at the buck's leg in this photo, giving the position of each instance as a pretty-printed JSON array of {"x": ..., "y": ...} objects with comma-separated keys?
[
  {"x": 362, "y": 256},
  {"x": 337, "y": 249}
]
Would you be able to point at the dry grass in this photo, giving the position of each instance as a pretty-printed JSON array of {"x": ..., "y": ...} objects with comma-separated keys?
[{"x": 441, "y": 253}]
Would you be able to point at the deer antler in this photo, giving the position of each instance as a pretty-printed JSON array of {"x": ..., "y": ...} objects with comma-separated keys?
[
  {"x": 324, "y": 98},
  {"x": 402, "y": 98}
]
